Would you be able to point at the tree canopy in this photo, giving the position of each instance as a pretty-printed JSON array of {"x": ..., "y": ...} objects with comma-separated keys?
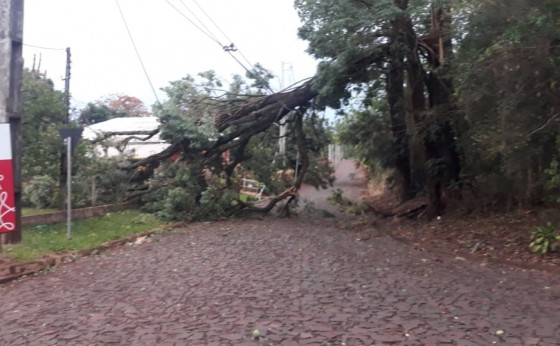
[
  {"x": 43, "y": 113},
  {"x": 456, "y": 96},
  {"x": 113, "y": 106}
]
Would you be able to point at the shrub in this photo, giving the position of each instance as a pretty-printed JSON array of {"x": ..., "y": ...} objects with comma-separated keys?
[
  {"x": 40, "y": 192},
  {"x": 544, "y": 239}
]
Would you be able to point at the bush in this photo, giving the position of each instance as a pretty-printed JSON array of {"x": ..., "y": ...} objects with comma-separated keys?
[
  {"x": 177, "y": 193},
  {"x": 544, "y": 239},
  {"x": 111, "y": 182},
  {"x": 41, "y": 192}
]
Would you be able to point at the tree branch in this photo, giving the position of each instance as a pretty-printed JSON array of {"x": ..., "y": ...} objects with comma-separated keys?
[{"x": 545, "y": 124}]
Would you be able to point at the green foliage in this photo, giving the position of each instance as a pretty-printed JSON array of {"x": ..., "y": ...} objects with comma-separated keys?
[
  {"x": 263, "y": 163},
  {"x": 341, "y": 34},
  {"x": 43, "y": 115},
  {"x": 179, "y": 195},
  {"x": 507, "y": 74},
  {"x": 188, "y": 112},
  {"x": 114, "y": 106},
  {"x": 544, "y": 239},
  {"x": 553, "y": 177},
  {"x": 500, "y": 68},
  {"x": 321, "y": 174},
  {"x": 101, "y": 176},
  {"x": 94, "y": 113},
  {"x": 38, "y": 192},
  {"x": 367, "y": 134},
  {"x": 337, "y": 198}
]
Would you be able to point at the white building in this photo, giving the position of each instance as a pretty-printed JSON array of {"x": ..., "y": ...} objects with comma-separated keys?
[{"x": 129, "y": 127}]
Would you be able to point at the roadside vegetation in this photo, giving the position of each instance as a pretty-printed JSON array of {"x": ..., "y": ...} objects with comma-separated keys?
[{"x": 86, "y": 234}]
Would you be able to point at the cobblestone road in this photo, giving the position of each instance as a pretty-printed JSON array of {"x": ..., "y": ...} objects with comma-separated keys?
[{"x": 300, "y": 281}]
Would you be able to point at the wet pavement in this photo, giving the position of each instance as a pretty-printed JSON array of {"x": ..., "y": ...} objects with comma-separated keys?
[{"x": 308, "y": 280}]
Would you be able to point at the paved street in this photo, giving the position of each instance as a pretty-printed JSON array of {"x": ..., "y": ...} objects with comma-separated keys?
[{"x": 300, "y": 281}]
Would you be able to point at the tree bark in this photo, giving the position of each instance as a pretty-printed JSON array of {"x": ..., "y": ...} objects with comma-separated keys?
[
  {"x": 416, "y": 84},
  {"x": 397, "y": 112}
]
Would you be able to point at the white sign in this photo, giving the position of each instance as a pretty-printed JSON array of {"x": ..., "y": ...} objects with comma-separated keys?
[{"x": 5, "y": 142}]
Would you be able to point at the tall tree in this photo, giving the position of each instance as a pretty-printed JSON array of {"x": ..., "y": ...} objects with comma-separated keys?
[
  {"x": 362, "y": 43},
  {"x": 129, "y": 105},
  {"x": 507, "y": 73},
  {"x": 94, "y": 113},
  {"x": 43, "y": 114}
]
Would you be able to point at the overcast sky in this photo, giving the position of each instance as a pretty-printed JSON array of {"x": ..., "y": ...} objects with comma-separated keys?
[{"x": 104, "y": 61}]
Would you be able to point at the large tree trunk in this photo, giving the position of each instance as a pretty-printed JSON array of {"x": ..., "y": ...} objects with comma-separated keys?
[
  {"x": 430, "y": 99},
  {"x": 397, "y": 112},
  {"x": 416, "y": 82},
  {"x": 440, "y": 89}
]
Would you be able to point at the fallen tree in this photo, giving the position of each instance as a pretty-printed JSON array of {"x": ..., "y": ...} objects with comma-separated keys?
[{"x": 214, "y": 136}]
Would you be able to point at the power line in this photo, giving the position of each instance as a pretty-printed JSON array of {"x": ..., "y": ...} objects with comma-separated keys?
[
  {"x": 224, "y": 34},
  {"x": 230, "y": 49},
  {"x": 212, "y": 21},
  {"x": 41, "y": 47},
  {"x": 137, "y": 52},
  {"x": 200, "y": 22},
  {"x": 242, "y": 65},
  {"x": 213, "y": 38}
]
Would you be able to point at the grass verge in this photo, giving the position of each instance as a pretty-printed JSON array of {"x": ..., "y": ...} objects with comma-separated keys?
[{"x": 86, "y": 234}]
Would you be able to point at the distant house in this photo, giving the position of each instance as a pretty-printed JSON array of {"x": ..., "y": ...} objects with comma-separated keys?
[{"x": 128, "y": 141}]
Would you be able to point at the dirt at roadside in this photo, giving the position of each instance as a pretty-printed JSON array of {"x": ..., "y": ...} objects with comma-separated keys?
[{"x": 501, "y": 236}]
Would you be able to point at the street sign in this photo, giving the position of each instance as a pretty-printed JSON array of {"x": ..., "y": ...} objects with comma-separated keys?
[
  {"x": 74, "y": 133},
  {"x": 7, "y": 198}
]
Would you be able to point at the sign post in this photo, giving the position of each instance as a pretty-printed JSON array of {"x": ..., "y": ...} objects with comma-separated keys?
[
  {"x": 72, "y": 137},
  {"x": 7, "y": 197}
]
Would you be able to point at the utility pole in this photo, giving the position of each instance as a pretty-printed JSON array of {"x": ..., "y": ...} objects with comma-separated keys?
[
  {"x": 63, "y": 154},
  {"x": 286, "y": 67},
  {"x": 67, "y": 84},
  {"x": 11, "y": 70}
]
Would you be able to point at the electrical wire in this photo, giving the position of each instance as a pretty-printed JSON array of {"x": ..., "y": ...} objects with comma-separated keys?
[
  {"x": 41, "y": 47},
  {"x": 200, "y": 22},
  {"x": 222, "y": 32},
  {"x": 230, "y": 49},
  {"x": 213, "y": 38},
  {"x": 137, "y": 52},
  {"x": 212, "y": 21}
]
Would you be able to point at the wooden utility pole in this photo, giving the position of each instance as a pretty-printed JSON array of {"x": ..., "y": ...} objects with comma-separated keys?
[{"x": 11, "y": 69}]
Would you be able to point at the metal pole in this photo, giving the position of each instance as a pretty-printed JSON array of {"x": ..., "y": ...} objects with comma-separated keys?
[
  {"x": 69, "y": 186},
  {"x": 67, "y": 84}
]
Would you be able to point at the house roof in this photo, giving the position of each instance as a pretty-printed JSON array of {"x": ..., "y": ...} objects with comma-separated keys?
[{"x": 129, "y": 126}]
